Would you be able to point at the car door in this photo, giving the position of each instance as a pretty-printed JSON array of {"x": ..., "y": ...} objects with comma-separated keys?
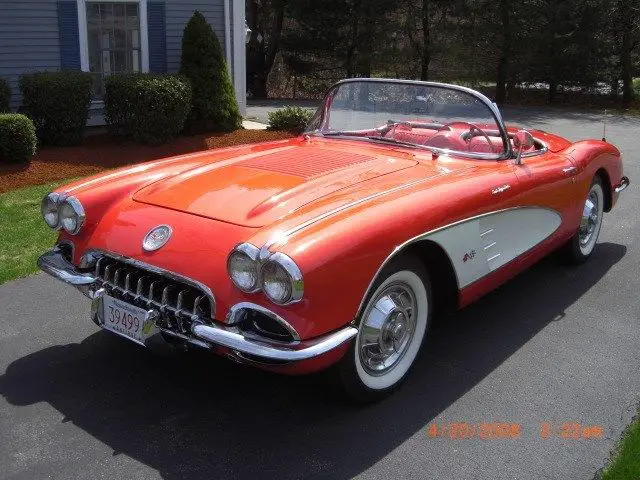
[{"x": 548, "y": 180}]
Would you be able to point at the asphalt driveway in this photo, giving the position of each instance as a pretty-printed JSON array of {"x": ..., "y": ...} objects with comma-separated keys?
[{"x": 554, "y": 345}]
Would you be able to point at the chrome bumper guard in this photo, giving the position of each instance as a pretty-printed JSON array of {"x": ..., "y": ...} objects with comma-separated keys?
[
  {"x": 54, "y": 263},
  {"x": 624, "y": 183}
]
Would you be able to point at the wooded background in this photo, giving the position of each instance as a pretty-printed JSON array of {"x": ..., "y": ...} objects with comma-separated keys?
[{"x": 559, "y": 48}]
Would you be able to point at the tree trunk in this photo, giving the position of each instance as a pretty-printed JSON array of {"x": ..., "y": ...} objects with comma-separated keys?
[
  {"x": 274, "y": 35},
  {"x": 260, "y": 58},
  {"x": 625, "y": 53},
  {"x": 614, "y": 88},
  {"x": 258, "y": 86},
  {"x": 365, "y": 47},
  {"x": 350, "y": 57},
  {"x": 503, "y": 62},
  {"x": 426, "y": 41},
  {"x": 552, "y": 79}
]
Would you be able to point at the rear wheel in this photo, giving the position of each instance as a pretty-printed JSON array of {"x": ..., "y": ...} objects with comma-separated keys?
[
  {"x": 582, "y": 244},
  {"x": 391, "y": 331}
]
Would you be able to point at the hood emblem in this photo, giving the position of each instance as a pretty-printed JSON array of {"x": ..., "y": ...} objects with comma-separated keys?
[{"x": 156, "y": 237}]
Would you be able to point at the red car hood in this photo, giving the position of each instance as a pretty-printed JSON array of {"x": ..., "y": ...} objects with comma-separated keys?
[{"x": 259, "y": 188}]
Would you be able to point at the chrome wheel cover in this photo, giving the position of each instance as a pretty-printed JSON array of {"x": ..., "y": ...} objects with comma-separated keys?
[
  {"x": 387, "y": 328},
  {"x": 590, "y": 218}
]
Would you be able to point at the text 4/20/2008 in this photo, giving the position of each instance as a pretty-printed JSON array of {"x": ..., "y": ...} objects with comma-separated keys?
[{"x": 495, "y": 430}]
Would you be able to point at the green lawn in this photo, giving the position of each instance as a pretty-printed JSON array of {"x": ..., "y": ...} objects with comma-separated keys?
[
  {"x": 626, "y": 464},
  {"x": 23, "y": 233}
]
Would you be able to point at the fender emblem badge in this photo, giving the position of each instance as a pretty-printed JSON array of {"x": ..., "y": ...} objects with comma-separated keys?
[
  {"x": 156, "y": 238},
  {"x": 469, "y": 256}
]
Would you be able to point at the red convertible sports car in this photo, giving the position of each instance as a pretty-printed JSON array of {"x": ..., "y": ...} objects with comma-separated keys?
[{"x": 333, "y": 249}]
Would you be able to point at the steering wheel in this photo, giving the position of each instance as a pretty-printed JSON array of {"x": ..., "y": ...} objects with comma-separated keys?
[{"x": 472, "y": 127}]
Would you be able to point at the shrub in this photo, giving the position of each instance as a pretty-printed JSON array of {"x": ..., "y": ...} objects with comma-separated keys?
[
  {"x": 145, "y": 107},
  {"x": 214, "y": 106},
  {"x": 18, "y": 140},
  {"x": 5, "y": 96},
  {"x": 58, "y": 104},
  {"x": 293, "y": 119}
]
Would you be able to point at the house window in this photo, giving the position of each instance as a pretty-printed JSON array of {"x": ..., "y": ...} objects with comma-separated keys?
[{"x": 113, "y": 40}]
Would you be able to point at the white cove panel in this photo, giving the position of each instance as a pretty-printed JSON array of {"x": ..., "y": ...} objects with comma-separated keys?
[{"x": 482, "y": 244}]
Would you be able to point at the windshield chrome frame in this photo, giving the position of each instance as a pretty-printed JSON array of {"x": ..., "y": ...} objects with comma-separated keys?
[{"x": 493, "y": 108}]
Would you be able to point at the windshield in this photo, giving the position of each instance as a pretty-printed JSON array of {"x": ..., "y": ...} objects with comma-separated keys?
[{"x": 438, "y": 117}]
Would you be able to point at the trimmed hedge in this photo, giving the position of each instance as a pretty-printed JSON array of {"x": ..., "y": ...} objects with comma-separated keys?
[
  {"x": 58, "y": 104},
  {"x": 18, "y": 140},
  {"x": 5, "y": 95},
  {"x": 292, "y": 119},
  {"x": 147, "y": 108},
  {"x": 214, "y": 105}
]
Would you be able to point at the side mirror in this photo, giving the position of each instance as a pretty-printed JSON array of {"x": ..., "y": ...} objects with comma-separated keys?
[{"x": 522, "y": 140}]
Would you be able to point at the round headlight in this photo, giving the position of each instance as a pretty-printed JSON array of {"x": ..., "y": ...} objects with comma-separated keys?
[
  {"x": 243, "y": 268},
  {"x": 71, "y": 215},
  {"x": 276, "y": 282},
  {"x": 282, "y": 279},
  {"x": 49, "y": 209}
]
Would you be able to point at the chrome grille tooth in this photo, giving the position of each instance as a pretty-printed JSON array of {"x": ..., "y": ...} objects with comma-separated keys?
[
  {"x": 165, "y": 294},
  {"x": 116, "y": 276},
  {"x": 107, "y": 272},
  {"x": 196, "y": 304},
  {"x": 98, "y": 264},
  {"x": 140, "y": 284},
  {"x": 180, "y": 300},
  {"x": 152, "y": 287},
  {"x": 127, "y": 283},
  {"x": 165, "y": 298}
]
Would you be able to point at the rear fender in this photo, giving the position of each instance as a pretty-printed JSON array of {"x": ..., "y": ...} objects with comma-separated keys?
[{"x": 593, "y": 157}]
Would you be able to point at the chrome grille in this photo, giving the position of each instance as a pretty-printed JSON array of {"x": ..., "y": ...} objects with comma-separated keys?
[{"x": 178, "y": 301}]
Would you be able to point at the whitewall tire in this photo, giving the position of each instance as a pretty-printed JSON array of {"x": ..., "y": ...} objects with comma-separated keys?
[
  {"x": 582, "y": 244},
  {"x": 391, "y": 331}
]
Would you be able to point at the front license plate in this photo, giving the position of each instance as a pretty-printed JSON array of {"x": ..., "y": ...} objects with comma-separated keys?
[{"x": 125, "y": 319}]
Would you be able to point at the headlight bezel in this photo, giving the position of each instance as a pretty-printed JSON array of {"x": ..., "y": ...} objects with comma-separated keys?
[
  {"x": 251, "y": 253},
  {"x": 78, "y": 211},
  {"x": 58, "y": 201},
  {"x": 294, "y": 276},
  {"x": 51, "y": 200},
  {"x": 282, "y": 261}
]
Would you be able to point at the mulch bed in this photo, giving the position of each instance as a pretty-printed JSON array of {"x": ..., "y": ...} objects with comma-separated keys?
[{"x": 101, "y": 151}]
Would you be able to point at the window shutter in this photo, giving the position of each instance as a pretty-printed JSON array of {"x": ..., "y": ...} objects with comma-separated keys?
[
  {"x": 156, "y": 24},
  {"x": 69, "y": 36}
]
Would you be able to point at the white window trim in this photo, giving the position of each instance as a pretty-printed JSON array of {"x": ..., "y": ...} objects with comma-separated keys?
[
  {"x": 239, "y": 56},
  {"x": 83, "y": 35}
]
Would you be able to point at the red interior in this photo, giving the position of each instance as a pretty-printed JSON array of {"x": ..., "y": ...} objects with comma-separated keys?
[{"x": 454, "y": 137}]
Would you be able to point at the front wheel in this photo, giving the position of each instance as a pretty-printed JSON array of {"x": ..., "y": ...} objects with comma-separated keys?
[
  {"x": 391, "y": 332},
  {"x": 581, "y": 245}
]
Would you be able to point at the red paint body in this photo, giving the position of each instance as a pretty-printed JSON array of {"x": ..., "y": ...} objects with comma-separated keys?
[{"x": 217, "y": 199}]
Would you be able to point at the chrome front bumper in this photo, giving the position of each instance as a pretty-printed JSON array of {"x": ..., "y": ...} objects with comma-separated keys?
[{"x": 54, "y": 263}]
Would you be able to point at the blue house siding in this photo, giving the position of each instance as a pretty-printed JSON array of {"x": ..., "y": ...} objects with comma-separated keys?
[
  {"x": 178, "y": 14},
  {"x": 29, "y": 40},
  {"x": 38, "y": 35}
]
